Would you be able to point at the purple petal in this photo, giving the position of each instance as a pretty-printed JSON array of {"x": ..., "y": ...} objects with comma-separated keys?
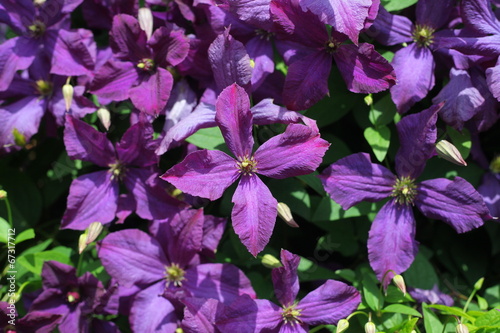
[
  {"x": 307, "y": 80},
  {"x": 203, "y": 116},
  {"x": 58, "y": 275},
  {"x": 114, "y": 80},
  {"x": 74, "y": 53},
  {"x": 234, "y": 118},
  {"x": 213, "y": 229},
  {"x": 364, "y": 70},
  {"x": 135, "y": 146},
  {"x": 92, "y": 197},
  {"x": 253, "y": 12},
  {"x": 53, "y": 300},
  {"x": 461, "y": 99},
  {"x": 83, "y": 142},
  {"x": 296, "y": 152},
  {"x": 454, "y": 201},
  {"x": 490, "y": 191},
  {"x": 390, "y": 29},
  {"x": 151, "y": 95},
  {"x": 224, "y": 282},
  {"x": 260, "y": 51},
  {"x": 18, "y": 13},
  {"x": 151, "y": 312},
  {"x": 170, "y": 46},
  {"x": 15, "y": 54},
  {"x": 417, "y": 136},
  {"x": 493, "y": 79},
  {"x": 200, "y": 315},
  {"x": 285, "y": 278},
  {"x": 230, "y": 62},
  {"x": 133, "y": 257},
  {"x": 355, "y": 178},
  {"x": 254, "y": 213},
  {"x": 391, "y": 241},
  {"x": 478, "y": 15},
  {"x": 24, "y": 116},
  {"x": 39, "y": 322},
  {"x": 345, "y": 16},
  {"x": 431, "y": 296},
  {"x": 204, "y": 174},
  {"x": 266, "y": 113},
  {"x": 127, "y": 39},
  {"x": 434, "y": 14},
  {"x": 125, "y": 206},
  {"x": 414, "y": 67},
  {"x": 329, "y": 303}
]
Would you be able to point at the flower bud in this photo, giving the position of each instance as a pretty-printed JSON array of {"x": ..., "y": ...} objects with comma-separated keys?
[
  {"x": 461, "y": 328},
  {"x": 270, "y": 261},
  {"x": 19, "y": 138},
  {"x": 342, "y": 325},
  {"x": 3, "y": 194},
  {"x": 368, "y": 99},
  {"x": 286, "y": 215},
  {"x": 495, "y": 165},
  {"x": 479, "y": 284},
  {"x": 104, "y": 117},
  {"x": 90, "y": 235},
  {"x": 67, "y": 91},
  {"x": 145, "y": 18},
  {"x": 400, "y": 283},
  {"x": 82, "y": 242},
  {"x": 370, "y": 327},
  {"x": 449, "y": 152}
]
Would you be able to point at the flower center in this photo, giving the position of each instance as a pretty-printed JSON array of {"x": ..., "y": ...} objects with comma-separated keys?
[
  {"x": 247, "y": 165},
  {"x": 404, "y": 191},
  {"x": 117, "y": 170},
  {"x": 37, "y": 28},
  {"x": 332, "y": 46},
  {"x": 264, "y": 34},
  {"x": 73, "y": 297},
  {"x": 495, "y": 165},
  {"x": 291, "y": 314},
  {"x": 174, "y": 274},
  {"x": 146, "y": 64},
  {"x": 423, "y": 35},
  {"x": 43, "y": 88}
]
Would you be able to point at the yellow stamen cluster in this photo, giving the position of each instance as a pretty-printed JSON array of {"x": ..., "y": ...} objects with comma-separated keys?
[
  {"x": 332, "y": 46},
  {"x": 174, "y": 274},
  {"x": 43, "y": 88},
  {"x": 404, "y": 191},
  {"x": 117, "y": 170},
  {"x": 37, "y": 28},
  {"x": 247, "y": 165},
  {"x": 423, "y": 35},
  {"x": 146, "y": 64},
  {"x": 291, "y": 314}
]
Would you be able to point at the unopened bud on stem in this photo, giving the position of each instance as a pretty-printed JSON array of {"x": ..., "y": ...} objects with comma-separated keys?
[
  {"x": 370, "y": 327},
  {"x": 286, "y": 215},
  {"x": 400, "y": 283},
  {"x": 104, "y": 117},
  {"x": 449, "y": 152},
  {"x": 68, "y": 91},
  {"x": 342, "y": 325},
  {"x": 270, "y": 261},
  {"x": 145, "y": 18}
]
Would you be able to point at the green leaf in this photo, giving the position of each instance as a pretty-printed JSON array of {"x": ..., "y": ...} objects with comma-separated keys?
[
  {"x": 4, "y": 230},
  {"x": 453, "y": 310},
  {"x": 394, "y": 5},
  {"x": 489, "y": 319},
  {"x": 292, "y": 192},
  {"x": 208, "y": 138},
  {"x": 314, "y": 182},
  {"x": 310, "y": 271},
  {"x": 482, "y": 303},
  {"x": 492, "y": 295},
  {"x": 25, "y": 235},
  {"x": 421, "y": 274},
  {"x": 383, "y": 111},
  {"x": 432, "y": 323},
  {"x": 34, "y": 262},
  {"x": 371, "y": 292},
  {"x": 409, "y": 326},
  {"x": 379, "y": 139},
  {"x": 329, "y": 210},
  {"x": 460, "y": 140},
  {"x": 400, "y": 308}
]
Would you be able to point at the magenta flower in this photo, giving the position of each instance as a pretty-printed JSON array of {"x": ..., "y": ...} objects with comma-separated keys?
[
  {"x": 391, "y": 241},
  {"x": 208, "y": 174}
]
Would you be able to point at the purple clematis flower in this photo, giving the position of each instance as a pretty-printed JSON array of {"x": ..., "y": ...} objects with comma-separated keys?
[
  {"x": 391, "y": 241},
  {"x": 207, "y": 174},
  {"x": 431, "y": 296},
  {"x": 165, "y": 268},
  {"x": 327, "y": 304},
  {"x": 32, "y": 322},
  {"x": 95, "y": 196},
  {"x": 138, "y": 70},
  {"x": 77, "y": 299},
  {"x": 309, "y": 51}
]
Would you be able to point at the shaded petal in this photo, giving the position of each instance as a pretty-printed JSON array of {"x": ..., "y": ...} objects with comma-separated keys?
[
  {"x": 151, "y": 95},
  {"x": 204, "y": 173},
  {"x": 127, "y": 39},
  {"x": 355, "y": 178},
  {"x": 266, "y": 113},
  {"x": 364, "y": 70},
  {"x": 487, "y": 46},
  {"x": 478, "y": 15},
  {"x": 224, "y": 282},
  {"x": 329, "y": 303},
  {"x": 254, "y": 213},
  {"x": 230, "y": 62},
  {"x": 298, "y": 151},
  {"x": 414, "y": 67},
  {"x": 390, "y": 29},
  {"x": 58, "y": 275},
  {"x": 260, "y": 51},
  {"x": 253, "y": 12},
  {"x": 39, "y": 322},
  {"x": 454, "y": 201},
  {"x": 15, "y": 53},
  {"x": 74, "y": 53},
  {"x": 307, "y": 80},
  {"x": 417, "y": 137},
  {"x": 234, "y": 118},
  {"x": 170, "y": 46},
  {"x": 136, "y": 145},
  {"x": 434, "y": 14},
  {"x": 345, "y": 16},
  {"x": 391, "y": 241},
  {"x": 213, "y": 229},
  {"x": 114, "y": 80},
  {"x": 53, "y": 300},
  {"x": 285, "y": 278},
  {"x": 490, "y": 191},
  {"x": 83, "y": 142},
  {"x": 133, "y": 257},
  {"x": 203, "y": 116},
  {"x": 92, "y": 197},
  {"x": 246, "y": 315},
  {"x": 493, "y": 80},
  {"x": 151, "y": 312},
  {"x": 200, "y": 315}
]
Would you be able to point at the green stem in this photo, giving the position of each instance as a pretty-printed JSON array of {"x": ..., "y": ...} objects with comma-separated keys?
[
  {"x": 317, "y": 328},
  {"x": 79, "y": 265},
  {"x": 9, "y": 211}
]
